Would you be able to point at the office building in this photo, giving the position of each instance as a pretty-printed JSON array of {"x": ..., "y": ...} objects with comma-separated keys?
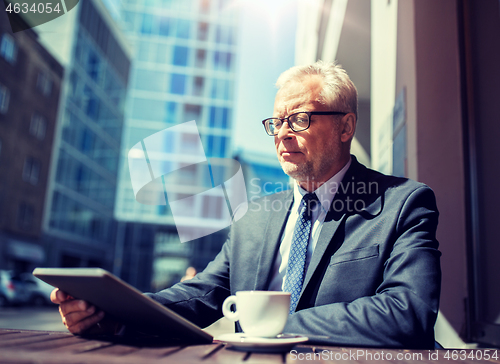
[
  {"x": 30, "y": 83},
  {"x": 79, "y": 218},
  {"x": 184, "y": 69}
]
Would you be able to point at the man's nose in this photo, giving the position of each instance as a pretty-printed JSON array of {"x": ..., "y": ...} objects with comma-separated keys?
[{"x": 285, "y": 131}]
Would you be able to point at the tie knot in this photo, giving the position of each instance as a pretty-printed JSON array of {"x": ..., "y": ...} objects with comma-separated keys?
[
  {"x": 308, "y": 202},
  {"x": 309, "y": 197}
]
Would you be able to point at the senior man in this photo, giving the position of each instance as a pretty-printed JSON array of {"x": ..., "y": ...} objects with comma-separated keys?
[{"x": 356, "y": 249}]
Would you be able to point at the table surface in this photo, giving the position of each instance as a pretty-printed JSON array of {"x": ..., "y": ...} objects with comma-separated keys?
[{"x": 29, "y": 346}]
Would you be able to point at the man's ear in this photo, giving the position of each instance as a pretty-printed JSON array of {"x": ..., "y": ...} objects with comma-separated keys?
[{"x": 348, "y": 127}]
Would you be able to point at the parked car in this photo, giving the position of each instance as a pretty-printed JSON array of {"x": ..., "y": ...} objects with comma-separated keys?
[
  {"x": 37, "y": 291},
  {"x": 12, "y": 291},
  {"x": 6, "y": 288}
]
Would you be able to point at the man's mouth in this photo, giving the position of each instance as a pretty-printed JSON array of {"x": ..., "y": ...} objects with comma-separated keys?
[{"x": 289, "y": 153}]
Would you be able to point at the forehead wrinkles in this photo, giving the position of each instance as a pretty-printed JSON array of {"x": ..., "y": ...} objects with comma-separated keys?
[
  {"x": 295, "y": 95},
  {"x": 288, "y": 101}
]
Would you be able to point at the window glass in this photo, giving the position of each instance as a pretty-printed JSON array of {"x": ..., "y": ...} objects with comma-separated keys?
[
  {"x": 180, "y": 56},
  {"x": 168, "y": 4},
  {"x": 91, "y": 103},
  {"x": 25, "y": 215},
  {"x": 219, "y": 117},
  {"x": 44, "y": 83},
  {"x": 192, "y": 112},
  {"x": 222, "y": 61},
  {"x": 198, "y": 84},
  {"x": 216, "y": 146},
  {"x": 201, "y": 56},
  {"x": 87, "y": 141},
  {"x": 223, "y": 4},
  {"x": 178, "y": 84},
  {"x": 202, "y": 31},
  {"x": 109, "y": 121},
  {"x": 227, "y": 90},
  {"x": 38, "y": 126},
  {"x": 224, "y": 119},
  {"x": 217, "y": 89},
  {"x": 171, "y": 112},
  {"x": 224, "y": 35},
  {"x": 183, "y": 28},
  {"x": 211, "y": 142},
  {"x": 31, "y": 170},
  {"x": 205, "y": 6},
  {"x": 74, "y": 217},
  {"x": 164, "y": 25},
  {"x": 212, "y": 207},
  {"x": 222, "y": 148},
  {"x": 93, "y": 65},
  {"x": 185, "y": 5},
  {"x": 212, "y": 121},
  {"x": 221, "y": 89},
  {"x": 189, "y": 143},
  {"x": 4, "y": 99},
  {"x": 147, "y": 24},
  {"x": 8, "y": 48},
  {"x": 150, "y": 80},
  {"x": 129, "y": 18},
  {"x": 163, "y": 53},
  {"x": 148, "y": 109},
  {"x": 219, "y": 34},
  {"x": 144, "y": 51}
]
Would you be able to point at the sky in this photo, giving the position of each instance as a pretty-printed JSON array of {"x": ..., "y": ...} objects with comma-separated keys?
[{"x": 266, "y": 49}]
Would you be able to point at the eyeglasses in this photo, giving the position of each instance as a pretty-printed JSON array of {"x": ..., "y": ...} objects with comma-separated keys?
[{"x": 299, "y": 121}]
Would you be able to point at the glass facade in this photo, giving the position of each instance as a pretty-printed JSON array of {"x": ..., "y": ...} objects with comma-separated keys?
[
  {"x": 88, "y": 152},
  {"x": 184, "y": 70}
]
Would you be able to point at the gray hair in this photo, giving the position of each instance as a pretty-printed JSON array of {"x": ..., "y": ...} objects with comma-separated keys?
[{"x": 339, "y": 93}]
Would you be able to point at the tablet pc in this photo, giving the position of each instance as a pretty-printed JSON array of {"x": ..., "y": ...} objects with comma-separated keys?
[{"x": 122, "y": 301}]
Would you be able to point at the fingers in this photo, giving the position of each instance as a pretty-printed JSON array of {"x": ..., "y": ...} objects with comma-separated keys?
[
  {"x": 74, "y": 306},
  {"x": 77, "y": 322},
  {"x": 77, "y": 315},
  {"x": 57, "y": 296},
  {"x": 84, "y": 325}
]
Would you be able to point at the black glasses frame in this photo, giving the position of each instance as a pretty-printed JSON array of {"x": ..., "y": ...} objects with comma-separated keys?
[{"x": 266, "y": 122}]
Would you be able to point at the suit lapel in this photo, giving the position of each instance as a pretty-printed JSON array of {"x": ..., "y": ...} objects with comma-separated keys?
[
  {"x": 330, "y": 226},
  {"x": 333, "y": 220},
  {"x": 272, "y": 237}
]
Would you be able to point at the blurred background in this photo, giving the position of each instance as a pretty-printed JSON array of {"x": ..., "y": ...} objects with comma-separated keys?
[{"x": 78, "y": 92}]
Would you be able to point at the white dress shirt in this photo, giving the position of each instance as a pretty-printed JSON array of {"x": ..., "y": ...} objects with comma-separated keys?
[{"x": 325, "y": 194}]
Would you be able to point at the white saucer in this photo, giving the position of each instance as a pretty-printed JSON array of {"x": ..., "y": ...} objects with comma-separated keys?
[{"x": 241, "y": 341}]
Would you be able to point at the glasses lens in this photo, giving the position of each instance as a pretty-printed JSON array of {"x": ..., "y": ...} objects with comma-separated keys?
[
  {"x": 299, "y": 121},
  {"x": 275, "y": 125},
  {"x": 270, "y": 127}
]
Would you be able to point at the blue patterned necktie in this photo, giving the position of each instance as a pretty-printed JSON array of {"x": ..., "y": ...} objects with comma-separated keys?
[{"x": 298, "y": 250}]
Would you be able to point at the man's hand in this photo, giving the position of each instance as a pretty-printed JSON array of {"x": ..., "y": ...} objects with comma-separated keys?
[{"x": 79, "y": 316}]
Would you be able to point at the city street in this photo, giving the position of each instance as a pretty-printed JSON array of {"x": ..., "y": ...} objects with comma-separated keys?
[{"x": 31, "y": 318}]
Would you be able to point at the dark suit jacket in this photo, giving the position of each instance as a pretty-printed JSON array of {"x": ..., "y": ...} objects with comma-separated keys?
[{"x": 374, "y": 277}]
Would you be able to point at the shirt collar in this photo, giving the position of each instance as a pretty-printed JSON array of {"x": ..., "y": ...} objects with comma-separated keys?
[{"x": 326, "y": 192}]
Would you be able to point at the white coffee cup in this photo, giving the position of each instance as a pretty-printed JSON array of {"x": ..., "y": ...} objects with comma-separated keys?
[{"x": 260, "y": 313}]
